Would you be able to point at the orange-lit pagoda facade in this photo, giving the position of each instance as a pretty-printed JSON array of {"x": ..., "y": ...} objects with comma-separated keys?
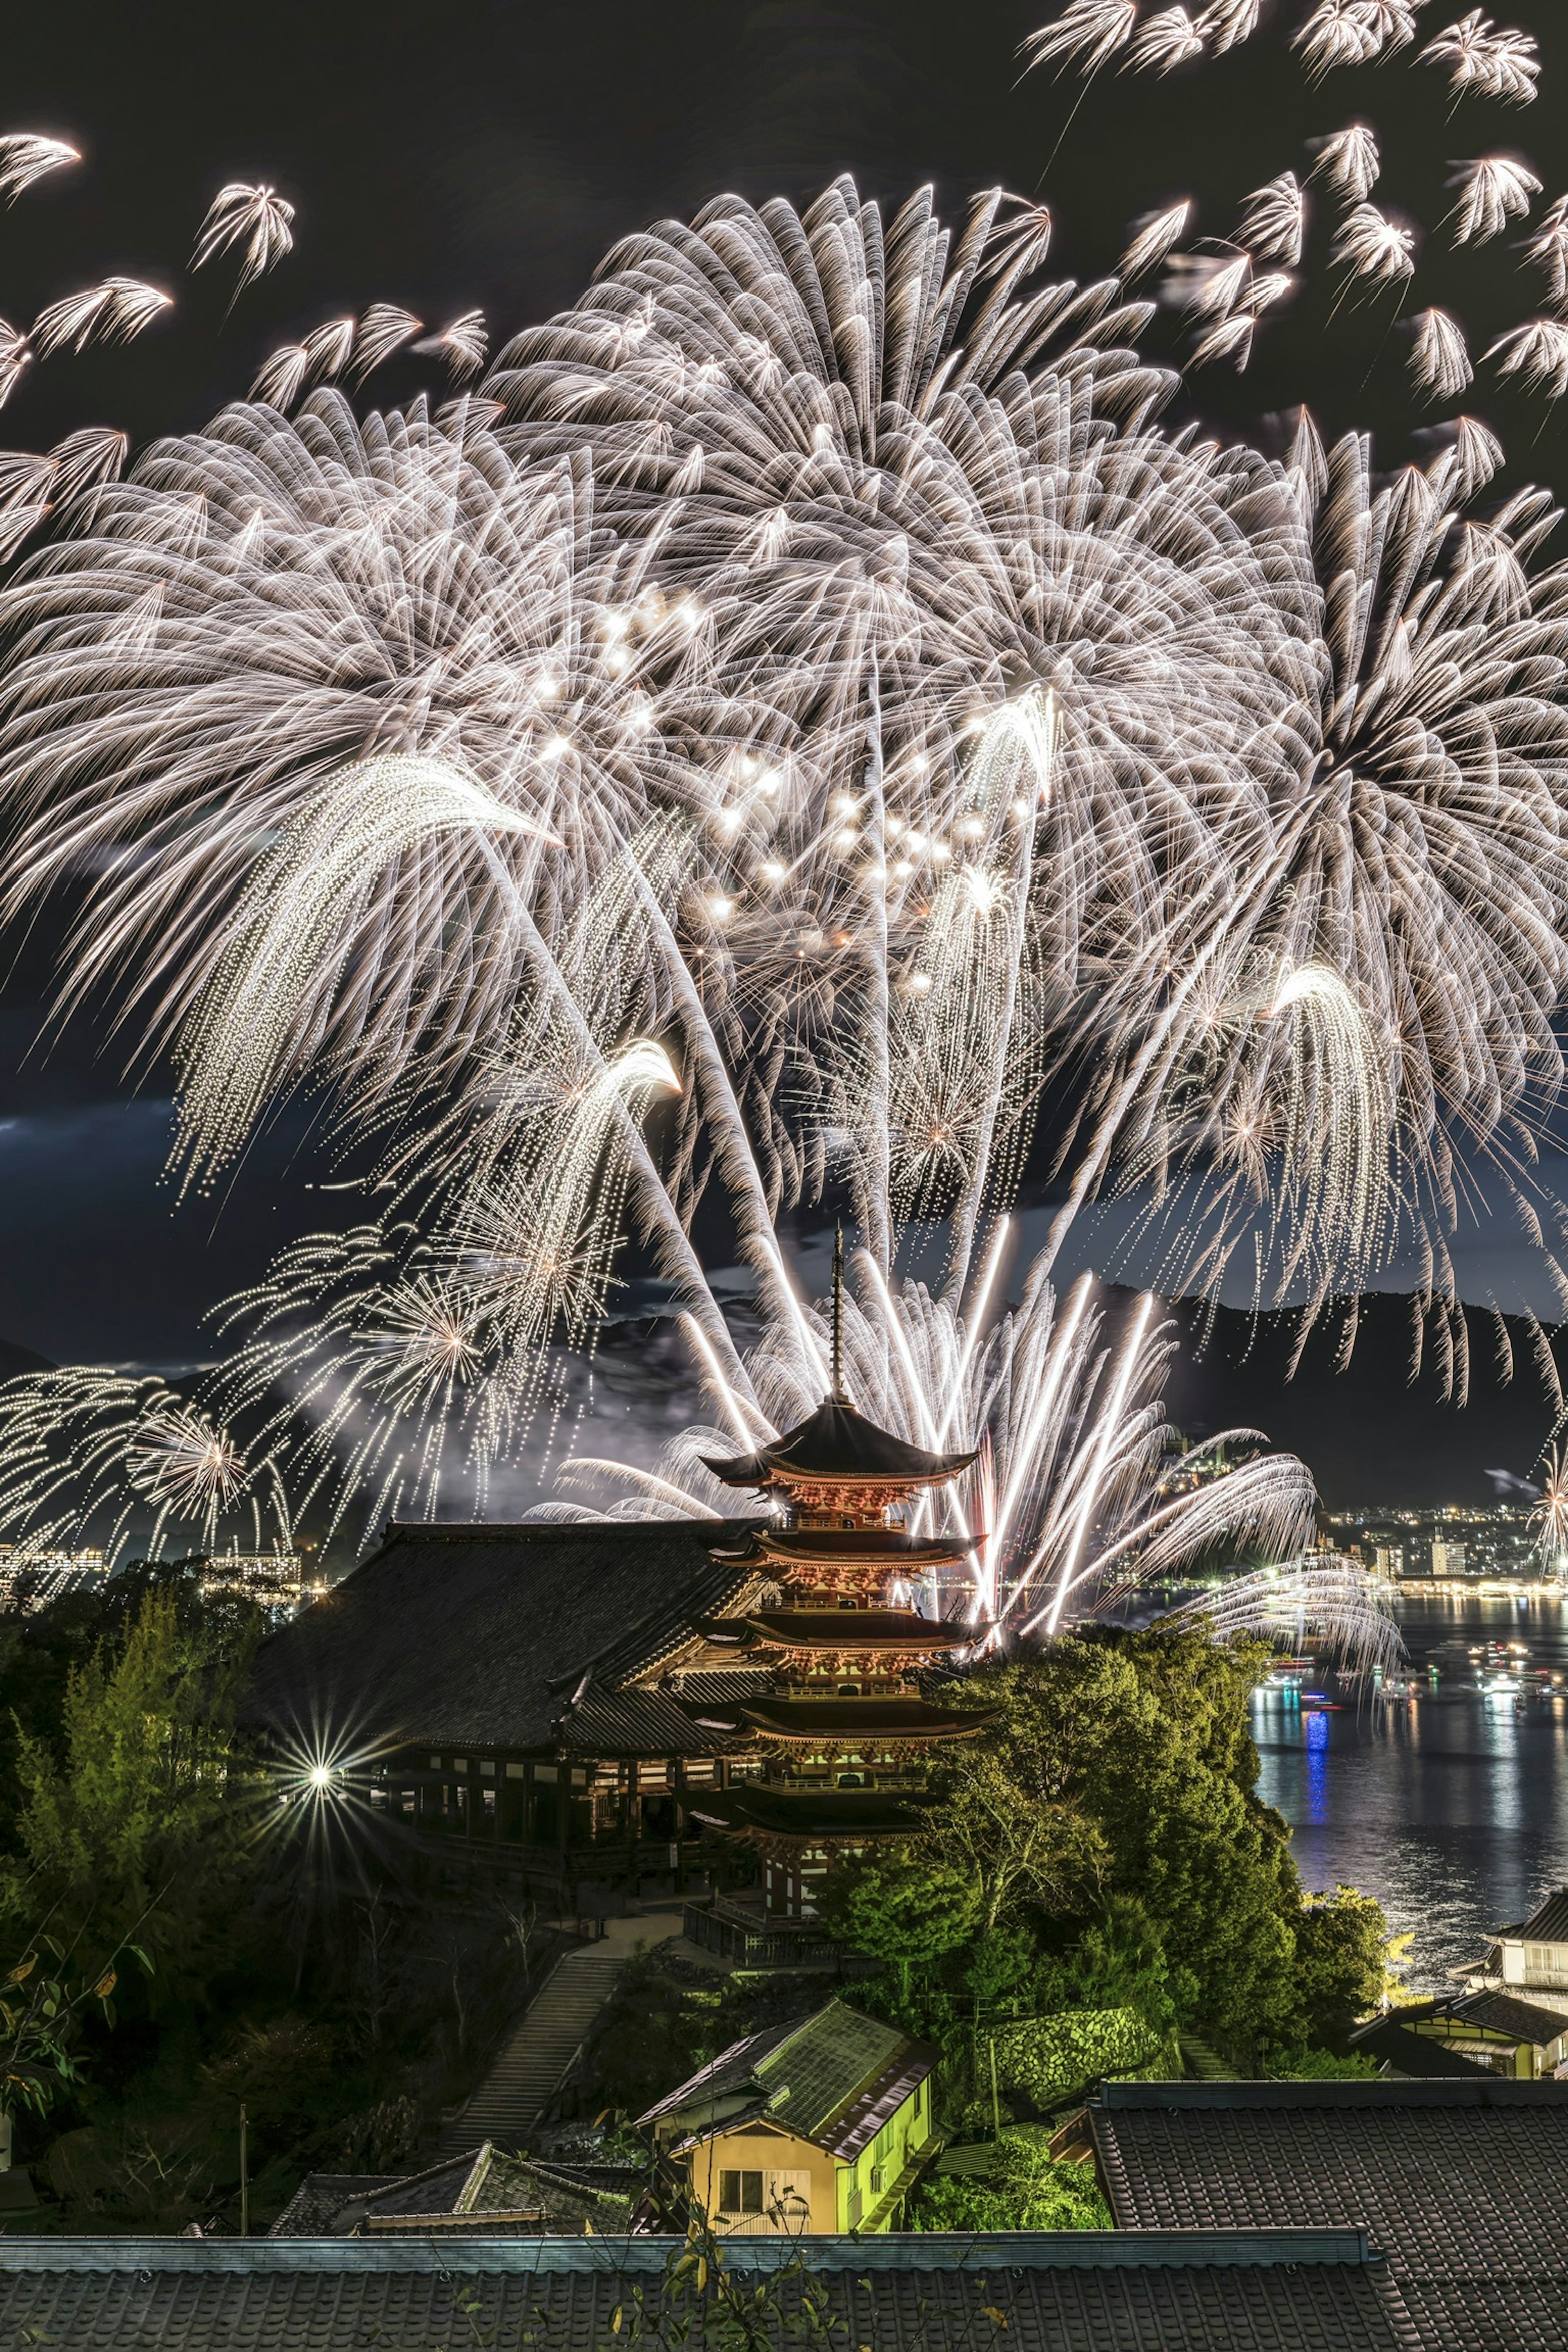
[{"x": 845, "y": 1728}]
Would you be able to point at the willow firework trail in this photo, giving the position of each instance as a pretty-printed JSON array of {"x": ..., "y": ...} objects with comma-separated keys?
[
  {"x": 1439, "y": 357},
  {"x": 1493, "y": 191},
  {"x": 1349, "y": 160},
  {"x": 257, "y": 216},
  {"x": 25, "y": 157},
  {"x": 1486, "y": 62},
  {"x": 1273, "y": 220},
  {"x": 1548, "y": 247},
  {"x": 1537, "y": 352},
  {"x": 112, "y": 312},
  {"x": 462, "y": 344},
  {"x": 886, "y": 717},
  {"x": 1168, "y": 38},
  {"x": 1153, "y": 237}
]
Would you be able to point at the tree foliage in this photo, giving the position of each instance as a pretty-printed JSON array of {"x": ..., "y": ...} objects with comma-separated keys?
[
  {"x": 1025, "y": 2188},
  {"x": 132, "y": 1819}
]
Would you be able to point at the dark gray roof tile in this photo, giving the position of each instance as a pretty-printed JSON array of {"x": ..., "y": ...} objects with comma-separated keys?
[
  {"x": 1268, "y": 2292},
  {"x": 481, "y": 1635}
]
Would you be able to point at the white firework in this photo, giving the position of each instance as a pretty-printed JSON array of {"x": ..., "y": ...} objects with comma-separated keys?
[
  {"x": 463, "y": 344},
  {"x": 1439, "y": 356},
  {"x": 384, "y": 329},
  {"x": 1087, "y": 32},
  {"x": 25, "y": 157},
  {"x": 1494, "y": 190},
  {"x": 1167, "y": 39},
  {"x": 1226, "y": 23},
  {"x": 1154, "y": 236},
  {"x": 283, "y": 378},
  {"x": 1547, "y": 246},
  {"x": 111, "y": 312},
  {"x": 1537, "y": 352},
  {"x": 1349, "y": 160},
  {"x": 1336, "y": 33},
  {"x": 1485, "y": 62},
  {"x": 1274, "y": 220},
  {"x": 1370, "y": 243},
  {"x": 258, "y": 218}
]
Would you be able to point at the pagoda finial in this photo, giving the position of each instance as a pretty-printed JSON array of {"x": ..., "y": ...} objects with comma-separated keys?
[{"x": 838, "y": 1395}]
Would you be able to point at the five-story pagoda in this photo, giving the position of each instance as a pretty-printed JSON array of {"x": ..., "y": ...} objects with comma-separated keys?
[{"x": 846, "y": 1729}]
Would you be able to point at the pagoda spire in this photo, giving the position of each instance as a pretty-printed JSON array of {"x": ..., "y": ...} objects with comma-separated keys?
[{"x": 838, "y": 1395}]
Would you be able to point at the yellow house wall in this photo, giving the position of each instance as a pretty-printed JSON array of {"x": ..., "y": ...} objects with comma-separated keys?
[
  {"x": 766, "y": 2151},
  {"x": 832, "y": 2184}
]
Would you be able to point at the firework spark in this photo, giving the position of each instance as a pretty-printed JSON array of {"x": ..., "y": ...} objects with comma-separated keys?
[
  {"x": 1349, "y": 160},
  {"x": 1274, "y": 220},
  {"x": 1439, "y": 357},
  {"x": 111, "y": 312},
  {"x": 25, "y": 157},
  {"x": 257, "y": 216},
  {"x": 1494, "y": 190},
  {"x": 1485, "y": 62}
]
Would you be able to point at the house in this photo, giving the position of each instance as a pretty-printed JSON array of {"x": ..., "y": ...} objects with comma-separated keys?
[
  {"x": 1530, "y": 1961},
  {"x": 1406, "y": 2056},
  {"x": 1495, "y": 2030},
  {"x": 1462, "y": 2183},
  {"x": 482, "y": 2194},
  {"x": 522, "y": 1699},
  {"x": 1039, "y": 2291},
  {"x": 823, "y": 2126}
]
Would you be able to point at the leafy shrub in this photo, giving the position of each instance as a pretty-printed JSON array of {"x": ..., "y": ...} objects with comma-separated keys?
[
  {"x": 1051, "y": 2057},
  {"x": 1026, "y": 2188}
]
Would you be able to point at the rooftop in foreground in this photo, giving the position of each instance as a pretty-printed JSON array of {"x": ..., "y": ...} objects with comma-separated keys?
[{"x": 1090, "y": 2291}]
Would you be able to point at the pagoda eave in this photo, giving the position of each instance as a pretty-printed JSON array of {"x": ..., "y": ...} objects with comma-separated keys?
[
  {"x": 768, "y": 1817},
  {"x": 843, "y": 1723},
  {"x": 842, "y": 1633}
]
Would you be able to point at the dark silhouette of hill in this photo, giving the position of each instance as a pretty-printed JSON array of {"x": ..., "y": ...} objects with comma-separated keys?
[
  {"x": 14, "y": 1360},
  {"x": 1374, "y": 1432}
]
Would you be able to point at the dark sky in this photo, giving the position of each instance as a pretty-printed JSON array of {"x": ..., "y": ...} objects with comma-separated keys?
[{"x": 452, "y": 155}]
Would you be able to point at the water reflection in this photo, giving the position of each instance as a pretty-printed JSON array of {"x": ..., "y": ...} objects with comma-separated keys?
[{"x": 1451, "y": 1805}]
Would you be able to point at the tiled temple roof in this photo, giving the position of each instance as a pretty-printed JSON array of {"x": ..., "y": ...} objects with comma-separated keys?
[{"x": 503, "y": 1635}]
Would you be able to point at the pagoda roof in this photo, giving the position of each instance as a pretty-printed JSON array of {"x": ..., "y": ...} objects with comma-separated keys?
[
  {"x": 811, "y": 1815},
  {"x": 842, "y": 1629},
  {"x": 858, "y": 1718},
  {"x": 839, "y": 1444},
  {"x": 869, "y": 1546}
]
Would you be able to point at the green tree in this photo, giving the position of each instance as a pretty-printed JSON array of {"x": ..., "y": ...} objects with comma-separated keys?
[
  {"x": 1123, "y": 1762},
  {"x": 901, "y": 1905},
  {"x": 1025, "y": 2187},
  {"x": 136, "y": 1812},
  {"x": 1341, "y": 1963}
]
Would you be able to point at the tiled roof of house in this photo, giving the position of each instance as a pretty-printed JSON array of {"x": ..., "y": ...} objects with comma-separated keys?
[
  {"x": 832, "y": 2078},
  {"x": 504, "y": 1636},
  {"x": 482, "y": 2190},
  {"x": 1547, "y": 1924},
  {"x": 1092, "y": 2291},
  {"x": 1413, "y": 2056},
  {"x": 1500, "y": 2013},
  {"x": 1462, "y": 2183}
]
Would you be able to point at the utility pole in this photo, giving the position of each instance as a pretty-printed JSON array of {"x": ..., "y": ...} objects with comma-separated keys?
[{"x": 244, "y": 2179}]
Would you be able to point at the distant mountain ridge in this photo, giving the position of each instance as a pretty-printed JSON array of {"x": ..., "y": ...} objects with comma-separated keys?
[
  {"x": 1370, "y": 1433},
  {"x": 14, "y": 1360}
]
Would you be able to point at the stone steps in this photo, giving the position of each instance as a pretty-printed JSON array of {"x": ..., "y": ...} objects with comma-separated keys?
[{"x": 531, "y": 2062}]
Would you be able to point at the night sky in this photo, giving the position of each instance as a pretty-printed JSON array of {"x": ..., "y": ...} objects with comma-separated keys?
[{"x": 471, "y": 155}]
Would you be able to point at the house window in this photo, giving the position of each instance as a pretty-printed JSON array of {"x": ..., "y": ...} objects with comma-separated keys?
[{"x": 740, "y": 2193}]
